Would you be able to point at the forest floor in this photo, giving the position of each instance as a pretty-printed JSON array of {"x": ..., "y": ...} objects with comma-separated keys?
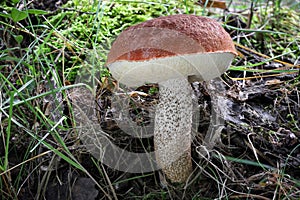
[{"x": 255, "y": 106}]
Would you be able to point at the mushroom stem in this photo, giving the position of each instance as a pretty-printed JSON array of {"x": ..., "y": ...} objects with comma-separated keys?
[{"x": 172, "y": 132}]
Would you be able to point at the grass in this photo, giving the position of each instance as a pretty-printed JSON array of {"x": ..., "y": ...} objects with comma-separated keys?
[{"x": 47, "y": 55}]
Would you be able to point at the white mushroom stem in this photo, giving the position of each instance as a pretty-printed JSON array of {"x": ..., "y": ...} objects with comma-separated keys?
[{"x": 172, "y": 132}]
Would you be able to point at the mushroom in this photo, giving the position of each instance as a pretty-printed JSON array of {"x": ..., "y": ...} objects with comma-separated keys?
[{"x": 170, "y": 50}]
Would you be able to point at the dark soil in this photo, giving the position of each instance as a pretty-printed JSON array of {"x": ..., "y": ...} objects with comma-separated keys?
[{"x": 258, "y": 129}]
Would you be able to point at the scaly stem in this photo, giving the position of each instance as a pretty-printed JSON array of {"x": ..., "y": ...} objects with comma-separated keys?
[{"x": 172, "y": 132}]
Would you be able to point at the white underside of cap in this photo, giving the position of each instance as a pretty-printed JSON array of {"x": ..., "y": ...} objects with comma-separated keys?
[{"x": 205, "y": 66}]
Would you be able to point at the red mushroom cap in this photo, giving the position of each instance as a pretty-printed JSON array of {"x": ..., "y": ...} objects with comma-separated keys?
[{"x": 170, "y": 37}]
